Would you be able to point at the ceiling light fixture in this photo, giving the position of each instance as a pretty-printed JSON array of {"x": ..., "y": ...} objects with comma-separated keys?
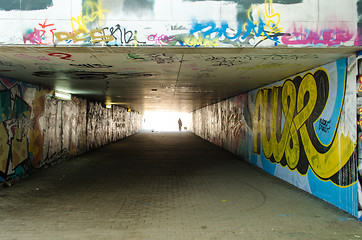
[{"x": 63, "y": 95}]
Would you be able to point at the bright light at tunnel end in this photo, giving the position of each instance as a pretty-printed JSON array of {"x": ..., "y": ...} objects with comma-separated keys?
[{"x": 166, "y": 121}]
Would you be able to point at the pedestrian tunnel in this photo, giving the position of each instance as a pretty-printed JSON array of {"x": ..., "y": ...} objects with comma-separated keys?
[
  {"x": 275, "y": 82},
  {"x": 300, "y": 128}
]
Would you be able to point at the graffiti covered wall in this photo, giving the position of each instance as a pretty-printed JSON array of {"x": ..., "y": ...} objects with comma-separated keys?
[
  {"x": 359, "y": 132},
  {"x": 189, "y": 23},
  {"x": 38, "y": 130},
  {"x": 300, "y": 129}
]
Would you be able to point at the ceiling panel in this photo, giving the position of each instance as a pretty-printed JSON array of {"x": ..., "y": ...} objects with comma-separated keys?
[{"x": 174, "y": 79}]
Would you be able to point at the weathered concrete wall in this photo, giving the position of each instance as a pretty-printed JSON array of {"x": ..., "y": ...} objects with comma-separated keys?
[
  {"x": 191, "y": 23},
  {"x": 38, "y": 130},
  {"x": 301, "y": 129}
]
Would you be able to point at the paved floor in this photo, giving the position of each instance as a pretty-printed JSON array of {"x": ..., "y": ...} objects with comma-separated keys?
[{"x": 165, "y": 186}]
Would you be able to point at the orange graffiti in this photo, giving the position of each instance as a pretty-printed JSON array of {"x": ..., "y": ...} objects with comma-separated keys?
[{"x": 43, "y": 30}]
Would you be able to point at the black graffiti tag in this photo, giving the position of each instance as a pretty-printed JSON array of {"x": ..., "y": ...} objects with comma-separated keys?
[
  {"x": 90, "y": 65},
  {"x": 324, "y": 125}
]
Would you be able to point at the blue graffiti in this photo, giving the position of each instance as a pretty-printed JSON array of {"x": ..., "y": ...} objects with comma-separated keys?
[{"x": 209, "y": 30}]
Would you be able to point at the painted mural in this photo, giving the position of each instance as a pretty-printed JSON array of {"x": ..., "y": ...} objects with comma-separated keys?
[
  {"x": 359, "y": 132},
  {"x": 300, "y": 129},
  {"x": 359, "y": 129},
  {"x": 188, "y": 23},
  {"x": 37, "y": 130},
  {"x": 15, "y": 122}
]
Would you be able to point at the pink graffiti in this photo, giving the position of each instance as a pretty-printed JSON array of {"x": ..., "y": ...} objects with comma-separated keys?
[
  {"x": 41, "y": 36},
  {"x": 33, "y": 37},
  {"x": 162, "y": 39},
  {"x": 329, "y": 37},
  {"x": 358, "y": 40},
  {"x": 41, "y": 58}
]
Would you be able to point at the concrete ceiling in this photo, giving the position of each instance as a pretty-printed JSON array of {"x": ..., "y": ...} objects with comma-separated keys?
[{"x": 171, "y": 79}]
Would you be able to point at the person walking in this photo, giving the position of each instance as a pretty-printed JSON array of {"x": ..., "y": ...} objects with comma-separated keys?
[{"x": 179, "y": 124}]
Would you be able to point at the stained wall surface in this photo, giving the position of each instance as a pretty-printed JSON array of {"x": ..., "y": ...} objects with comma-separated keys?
[
  {"x": 37, "y": 130},
  {"x": 301, "y": 129},
  {"x": 188, "y": 23}
]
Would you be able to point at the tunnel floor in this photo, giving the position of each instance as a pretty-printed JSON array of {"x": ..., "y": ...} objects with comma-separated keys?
[{"x": 165, "y": 186}]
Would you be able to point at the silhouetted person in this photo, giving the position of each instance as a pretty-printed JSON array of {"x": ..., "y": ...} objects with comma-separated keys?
[{"x": 179, "y": 124}]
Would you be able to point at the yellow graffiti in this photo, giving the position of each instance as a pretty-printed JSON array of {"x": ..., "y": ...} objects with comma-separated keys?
[
  {"x": 95, "y": 35},
  {"x": 135, "y": 38},
  {"x": 269, "y": 12},
  {"x": 78, "y": 25},
  {"x": 255, "y": 11},
  {"x": 267, "y": 17},
  {"x": 4, "y": 148},
  {"x": 34, "y": 148},
  {"x": 101, "y": 37},
  {"x": 91, "y": 11},
  {"x": 65, "y": 36},
  {"x": 193, "y": 41},
  {"x": 19, "y": 148},
  {"x": 289, "y": 141},
  {"x": 360, "y": 81}
]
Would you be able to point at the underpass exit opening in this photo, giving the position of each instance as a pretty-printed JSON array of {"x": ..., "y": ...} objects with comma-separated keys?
[{"x": 167, "y": 121}]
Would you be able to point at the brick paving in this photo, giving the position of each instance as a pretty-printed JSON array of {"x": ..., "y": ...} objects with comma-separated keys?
[{"x": 165, "y": 186}]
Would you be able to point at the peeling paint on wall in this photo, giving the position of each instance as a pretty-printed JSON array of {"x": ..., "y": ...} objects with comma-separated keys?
[
  {"x": 25, "y": 5},
  {"x": 299, "y": 130}
]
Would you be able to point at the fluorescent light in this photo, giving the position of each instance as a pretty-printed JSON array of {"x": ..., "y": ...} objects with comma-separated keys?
[
  {"x": 108, "y": 106},
  {"x": 63, "y": 95}
]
